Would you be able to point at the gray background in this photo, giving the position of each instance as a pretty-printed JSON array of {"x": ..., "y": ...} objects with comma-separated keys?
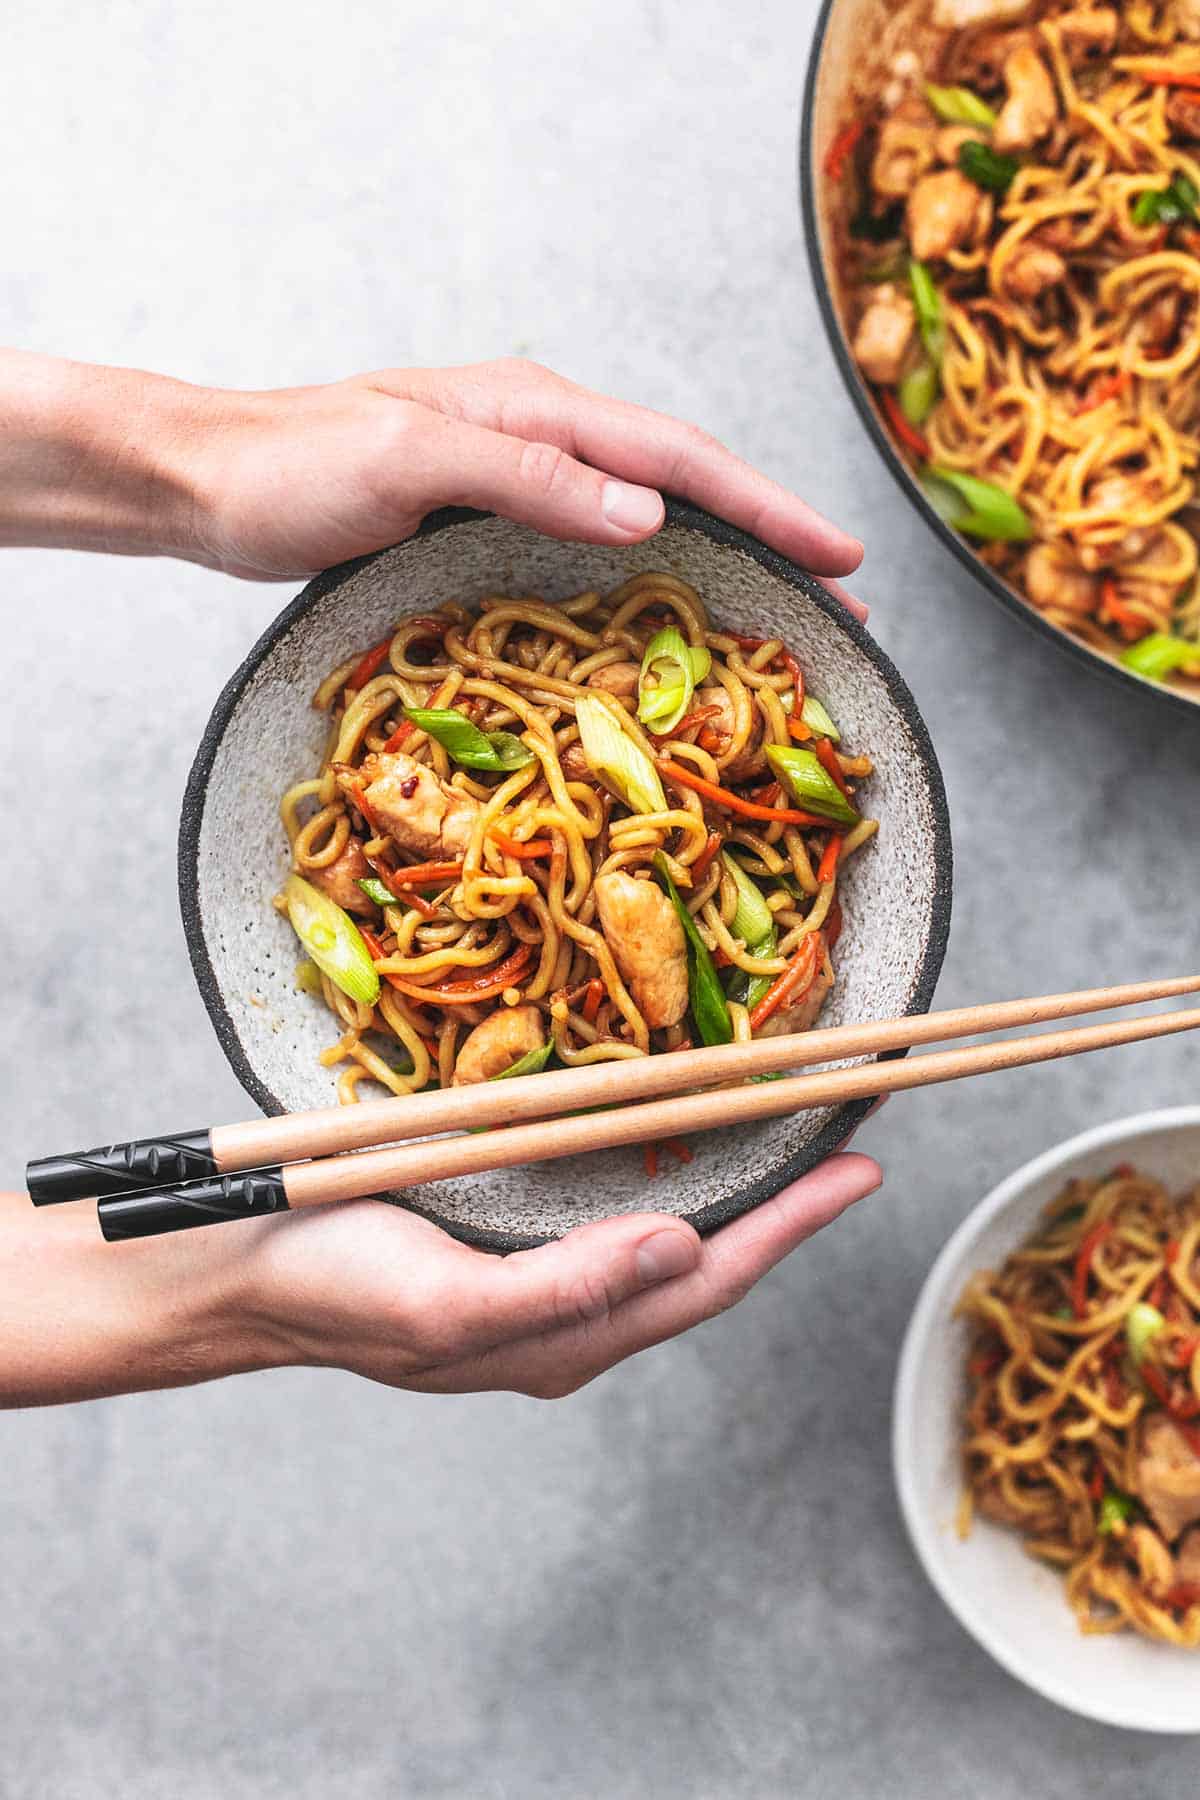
[{"x": 690, "y": 1579}]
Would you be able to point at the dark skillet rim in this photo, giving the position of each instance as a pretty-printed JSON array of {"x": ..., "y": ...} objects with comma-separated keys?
[
  {"x": 678, "y": 513},
  {"x": 993, "y": 584}
]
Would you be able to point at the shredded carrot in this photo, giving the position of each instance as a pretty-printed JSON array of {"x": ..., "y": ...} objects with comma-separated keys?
[
  {"x": 732, "y": 802},
  {"x": 1106, "y": 387},
  {"x": 592, "y": 999},
  {"x": 366, "y": 666},
  {"x": 1169, "y": 77},
  {"x": 1171, "y": 1251},
  {"x": 1185, "y": 1350},
  {"x": 423, "y": 874},
  {"x": 1132, "y": 624},
  {"x": 770, "y": 795},
  {"x": 1158, "y": 1292},
  {"x": 398, "y": 736},
  {"x": 827, "y": 867},
  {"x": 650, "y": 1160},
  {"x": 678, "y": 1148},
  {"x": 1083, "y": 1263},
  {"x": 360, "y": 800},
  {"x": 526, "y": 852},
  {"x": 790, "y": 987},
  {"x": 841, "y": 148},
  {"x": 908, "y": 434},
  {"x": 484, "y": 986},
  {"x": 699, "y": 715},
  {"x": 704, "y": 861},
  {"x": 1097, "y": 1484},
  {"x": 1183, "y": 1595},
  {"x": 827, "y": 757}
]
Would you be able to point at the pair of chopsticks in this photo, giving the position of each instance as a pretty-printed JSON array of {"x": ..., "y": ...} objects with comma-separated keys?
[{"x": 202, "y": 1177}]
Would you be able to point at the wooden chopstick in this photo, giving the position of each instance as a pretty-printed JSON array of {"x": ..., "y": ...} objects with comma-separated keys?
[
  {"x": 178, "y": 1157},
  {"x": 347, "y": 1177}
]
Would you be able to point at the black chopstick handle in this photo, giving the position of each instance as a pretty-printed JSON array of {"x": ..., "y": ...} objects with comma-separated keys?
[
  {"x": 147, "y": 1213},
  {"x": 118, "y": 1168}
]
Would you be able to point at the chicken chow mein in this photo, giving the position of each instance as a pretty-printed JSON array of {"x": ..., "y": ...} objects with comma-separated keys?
[
  {"x": 1083, "y": 1422},
  {"x": 1016, "y": 202},
  {"x": 592, "y": 829}
]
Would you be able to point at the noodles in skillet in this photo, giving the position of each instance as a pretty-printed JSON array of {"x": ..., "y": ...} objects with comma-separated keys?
[
  {"x": 587, "y": 830},
  {"x": 1083, "y": 1423},
  {"x": 1018, "y": 229}
]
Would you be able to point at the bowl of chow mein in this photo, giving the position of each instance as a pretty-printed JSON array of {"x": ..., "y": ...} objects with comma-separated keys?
[
  {"x": 1046, "y": 1428},
  {"x": 1002, "y": 206},
  {"x": 489, "y": 803}
]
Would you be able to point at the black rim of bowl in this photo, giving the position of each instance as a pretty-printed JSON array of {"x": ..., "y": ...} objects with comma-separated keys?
[
  {"x": 678, "y": 513},
  {"x": 990, "y": 582}
]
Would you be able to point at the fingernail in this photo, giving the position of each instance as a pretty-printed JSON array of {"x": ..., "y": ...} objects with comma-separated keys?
[
  {"x": 631, "y": 508},
  {"x": 666, "y": 1254}
]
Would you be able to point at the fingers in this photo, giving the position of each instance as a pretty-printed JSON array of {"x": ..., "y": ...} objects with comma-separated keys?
[
  {"x": 534, "y": 482},
  {"x": 861, "y": 611},
  {"x": 572, "y": 1282},
  {"x": 639, "y": 446},
  {"x": 727, "y": 1266}
]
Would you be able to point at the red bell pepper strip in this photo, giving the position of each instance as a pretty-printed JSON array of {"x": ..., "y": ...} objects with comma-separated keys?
[
  {"x": 840, "y": 149},
  {"x": 827, "y": 757},
  {"x": 1169, "y": 77},
  {"x": 909, "y": 436},
  {"x": 704, "y": 861},
  {"x": 1083, "y": 1263},
  {"x": 363, "y": 670},
  {"x": 827, "y": 867}
]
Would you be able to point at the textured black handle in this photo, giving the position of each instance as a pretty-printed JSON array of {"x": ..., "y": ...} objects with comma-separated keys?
[
  {"x": 146, "y": 1214},
  {"x": 118, "y": 1168}
]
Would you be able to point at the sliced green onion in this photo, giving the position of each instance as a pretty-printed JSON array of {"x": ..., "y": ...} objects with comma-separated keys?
[
  {"x": 1159, "y": 654},
  {"x": 979, "y": 508},
  {"x": 496, "y": 752},
  {"x": 753, "y": 921},
  {"x": 705, "y": 995},
  {"x": 1143, "y": 1323},
  {"x": 308, "y": 977},
  {"x": 818, "y": 720},
  {"x": 1167, "y": 206},
  {"x": 532, "y": 1063},
  {"x": 374, "y": 889},
  {"x": 986, "y": 167},
  {"x": 670, "y": 670},
  {"x": 959, "y": 106},
  {"x": 810, "y": 782},
  {"x": 613, "y": 755},
  {"x": 918, "y": 392},
  {"x": 1115, "y": 1509},
  {"x": 332, "y": 940},
  {"x": 931, "y": 320}
]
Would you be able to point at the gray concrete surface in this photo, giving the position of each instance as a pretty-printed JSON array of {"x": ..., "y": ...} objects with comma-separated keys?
[{"x": 690, "y": 1579}]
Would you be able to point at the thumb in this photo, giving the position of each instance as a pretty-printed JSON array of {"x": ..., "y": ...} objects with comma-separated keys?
[
  {"x": 577, "y": 1279},
  {"x": 535, "y": 484}
]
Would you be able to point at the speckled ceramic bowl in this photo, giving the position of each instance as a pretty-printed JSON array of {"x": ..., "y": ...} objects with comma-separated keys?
[{"x": 264, "y": 735}]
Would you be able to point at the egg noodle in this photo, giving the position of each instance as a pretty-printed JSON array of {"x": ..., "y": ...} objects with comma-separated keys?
[
  {"x": 1083, "y": 1417},
  {"x": 485, "y": 882}
]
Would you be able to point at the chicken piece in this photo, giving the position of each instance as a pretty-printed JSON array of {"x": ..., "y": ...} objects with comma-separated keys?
[
  {"x": 619, "y": 678},
  {"x": 340, "y": 878},
  {"x": 1054, "y": 578},
  {"x": 804, "y": 1015},
  {"x": 957, "y": 15},
  {"x": 647, "y": 942},
  {"x": 884, "y": 334},
  {"x": 1185, "y": 17},
  {"x": 1187, "y": 1557},
  {"x": 503, "y": 1039},
  {"x": 1033, "y": 269},
  {"x": 422, "y": 814},
  {"x": 1183, "y": 113},
  {"x": 978, "y": 59},
  {"x": 1088, "y": 31},
  {"x": 1156, "y": 1565},
  {"x": 574, "y": 763},
  {"x": 950, "y": 140},
  {"x": 750, "y": 760},
  {"x": 906, "y": 148},
  {"x": 1031, "y": 107},
  {"x": 1168, "y": 1474},
  {"x": 1115, "y": 494},
  {"x": 942, "y": 209}
]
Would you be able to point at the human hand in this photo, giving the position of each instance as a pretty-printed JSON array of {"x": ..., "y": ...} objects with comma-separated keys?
[{"x": 386, "y": 1294}]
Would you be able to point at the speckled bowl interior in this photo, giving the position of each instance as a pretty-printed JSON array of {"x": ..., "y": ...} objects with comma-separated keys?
[{"x": 264, "y": 735}]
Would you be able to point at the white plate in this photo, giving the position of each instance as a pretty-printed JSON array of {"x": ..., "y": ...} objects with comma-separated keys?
[{"x": 1013, "y": 1605}]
